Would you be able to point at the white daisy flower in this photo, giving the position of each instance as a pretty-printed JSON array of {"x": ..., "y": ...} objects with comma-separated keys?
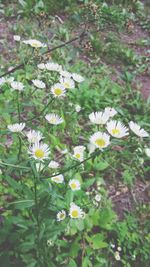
[
  {"x": 53, "y": 67},
  {"x": 110, "y": 111},
  {"x": 61, "y": 215},
  {"x": 17, "y": 86},
  {"x": 41, "y": 66},
  {"x": 100, "y": 140},
  {"x": 74, "y": 184},
  {"x": 59, "y": 179},
  {"x": 99, "y": 118},
  {"x": 147, "y": 151},
  {"x": 78, "y": 78},
  {"x": 17, "y": 38},
  {"x": 117, "y": 129},
  {"x": 39, "y": 84},
  {"x": 75, "y": 211},
  {"x": 2, "y": 80},
  {"x": 117, "y": 256},
  {"x": 77, "y": 108},
  {"x": 65, "y": 74},
  {"x": 64, "y": 151},
  {"x": 34, "y": 43},
  {"x": 16, "y": 128},
  {"x": 98, "y": 197},
  {"x": 54, "y": 119},
  {"x": 137, "y": 129},
  {"x": 67, "y": 83},
  {"x": 39, "y": 151},
  {"x": 78, "y": 152},
  {"x": 58, "y": 90},
  {"x": 53, "y": 164},
  {"x": 34, "y": 136}
]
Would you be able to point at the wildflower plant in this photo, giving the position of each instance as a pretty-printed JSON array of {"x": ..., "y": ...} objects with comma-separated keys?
[{"x": 52, "y": 189}]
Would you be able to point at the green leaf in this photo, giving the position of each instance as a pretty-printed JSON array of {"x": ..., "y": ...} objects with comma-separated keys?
[
  {"x": 15, "y": 185},
  {"x": 72, "y": 263},
  {"x": 97, "y": 241},
  {"x": 23, "y": 204}
]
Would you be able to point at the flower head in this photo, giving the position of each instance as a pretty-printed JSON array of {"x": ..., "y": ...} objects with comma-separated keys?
[
  {"x": 34, "y": 43},
  {"x": 53, "y": 67},
  {"x": 79, "y": 152},
  {"x": 54, "y": 119},
  {"x": 58, "y": 90},
  {"x": 39, "y": 151},
  {"x": 53, "y": 164},
  {"x": 2, "y": 80},
  {"x": 100, "y": 140},
  {"x": 99, "y": 118},
  {"x": 147, "y": 151},
  {"x": 39, "y": 84},
  {"x": 137, "y": 129},
  {"x": 16, "y": 128},
  {"x": 78, "y": 78},
  {"x": 117, "y": 129},
  {"x": 78, "y": 108},
  {"x": 59, "y": 179},
  {"x": 17, "y": 86},
  {"x": 17, "y": 38},
  {"x": 61, "y": 215},
  {"x": 41, "y": 66},
  {"x": 68, "y": 83},
  {"x": 65, "y": 73},
  {"x": 34, "y": 136},
  {"x": 74, "y": 184},
  {"x": 110, "y": 111},
  {"x": 75, "y": 211}
]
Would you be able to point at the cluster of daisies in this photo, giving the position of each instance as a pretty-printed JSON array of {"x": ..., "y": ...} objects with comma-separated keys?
[
  {"x": 114, "y": 128},
  {"x": 75, "y": 212}
]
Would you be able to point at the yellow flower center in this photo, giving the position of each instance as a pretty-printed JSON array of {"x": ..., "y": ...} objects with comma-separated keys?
[
  {"x": 58, "y": 91},
  {"x": 78, "y": 156},
  {"x": 56, "y": 179},
  {"x": 100, "y": 142},
  {"x": 62, "y": 215},
  {"x": 75, "y": 213},
  {"x": 39, "y": 153},
  {"x": 73, "y": 186},
  {"x": 115, "y": 131},
  {"x": 34, "y": 44},
  {"x": 66, "y": 85},
  {"x": 53, "y": 120}
]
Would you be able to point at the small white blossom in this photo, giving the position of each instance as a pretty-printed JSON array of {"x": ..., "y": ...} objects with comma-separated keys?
[
  {"x": 74, "y": 184},
  {"x": 58, "y": 90},
  {"x": 17, "y": 86},
  {"x": 17, "y": 38},
  {"x": 16, "y": 128},
  {"x": 117, "y": 129},
  {"x": 79, "y": 152},
  {"x": 34, "y": 43},
  {"x": 61, "y": 215},
  {"x": 77, "y": 108},
  {"x": 75, "y": 211},
  {"x": 34, "y": 136},
  {"x": 59, "y": 179},
  {"x": 147, "y": 151},
  {"x": 54, "y": 119},
  {"x": 100, "y": 140},
  {"x": 39, "y": 151},
  {"x": 68, "y": 83},
  {"x": 110, "y": 111},
  {"x": 41, "y": 66},
  {"x": 99, "y": 118},
  {"x": 98, "y": 197},
  {"x": 137, "y": 129},
  {"x": 117, "y": 256},
  {"x": 2, "y": 80},
  {"x": 39, "y": 84},
  {"x": 78, "y": 78},
  {"x": 65, "y": 74},
  {"x": 53, "y": 164},
  {"x": 53, "y": 67}
]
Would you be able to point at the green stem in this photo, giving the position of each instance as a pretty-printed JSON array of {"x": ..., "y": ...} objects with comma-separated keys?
[
  {"x": 14, "y": 166},
  {"x": 18, "y": 106},
  {"x": 42, "y": 111}
]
